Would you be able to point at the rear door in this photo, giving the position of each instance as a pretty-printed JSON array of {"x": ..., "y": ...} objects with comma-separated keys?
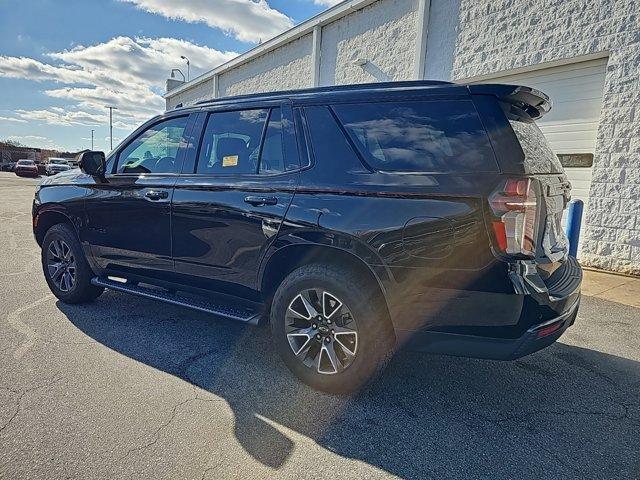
[
  {"x": 233, "y": 194},
  {"x": 129, "y": 214}
]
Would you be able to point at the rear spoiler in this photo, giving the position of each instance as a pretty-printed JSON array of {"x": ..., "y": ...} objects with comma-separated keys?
[{"x": 532, "y": 101}]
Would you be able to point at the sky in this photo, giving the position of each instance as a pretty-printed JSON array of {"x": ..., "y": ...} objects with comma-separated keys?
[{"x": 63, "y": 61}]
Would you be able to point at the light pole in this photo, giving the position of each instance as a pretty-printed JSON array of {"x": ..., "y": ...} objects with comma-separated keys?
[
  {"x": 173, "y": 73},
  {"x": 188, "y": 67},
  {"x": 92, "y": 130},
  {"x": 111, "y": 109}
]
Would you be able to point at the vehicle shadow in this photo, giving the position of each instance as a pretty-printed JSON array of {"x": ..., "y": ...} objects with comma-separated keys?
[{"x": 563, "y": 412}]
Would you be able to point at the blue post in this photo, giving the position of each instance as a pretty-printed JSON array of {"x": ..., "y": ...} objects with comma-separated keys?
[{"x": 574, "y": 221}]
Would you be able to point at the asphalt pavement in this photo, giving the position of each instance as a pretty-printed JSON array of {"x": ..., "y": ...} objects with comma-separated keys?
[{"x": 130, "y": 388}]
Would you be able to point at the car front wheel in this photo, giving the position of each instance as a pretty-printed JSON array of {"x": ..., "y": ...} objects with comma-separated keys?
[
  {"x": 65, "y": 267},
  {"x": 330, "y": 328}
]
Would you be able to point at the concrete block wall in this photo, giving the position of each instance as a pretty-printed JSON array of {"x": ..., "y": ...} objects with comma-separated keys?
[
  {"x": 468, "y": 38},
  {"x": 201, "y": 91},
  {"x": 288, "y": 67},
  {"x": 384, "y": 34}
]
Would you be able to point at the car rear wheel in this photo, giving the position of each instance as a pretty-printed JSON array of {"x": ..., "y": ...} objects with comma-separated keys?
[
  {"x": 65, "y": 267},
  {"x": 330, "y": 328}
]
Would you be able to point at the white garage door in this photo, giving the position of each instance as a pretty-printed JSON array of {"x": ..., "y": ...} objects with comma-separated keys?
[{"x": 572, "y": 124}]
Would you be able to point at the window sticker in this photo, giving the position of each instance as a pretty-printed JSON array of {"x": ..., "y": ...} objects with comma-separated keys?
[{"x": 230, "y": 161}]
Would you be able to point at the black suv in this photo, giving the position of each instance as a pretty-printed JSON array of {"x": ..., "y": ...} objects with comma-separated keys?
[{"x": 353, "y": 219}]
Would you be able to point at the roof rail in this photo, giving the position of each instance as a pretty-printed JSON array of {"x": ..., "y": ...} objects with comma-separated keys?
[{"x": 334, "y": 88}]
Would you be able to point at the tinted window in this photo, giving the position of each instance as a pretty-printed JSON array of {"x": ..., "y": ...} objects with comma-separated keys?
[
  {"x": 419, "y": 136},
  {"x": 231, "y": 142},
  {"x": 538, "y": 156},
  {"x": 155, "y": 150},
  {"x": 272, "y": 159},
  {"x": 329, "y": 142},
  {"x": 25, "y": 162}
]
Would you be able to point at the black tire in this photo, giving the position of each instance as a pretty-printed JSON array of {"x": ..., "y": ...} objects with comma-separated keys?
[
  {"x": 80, "y": 290},
  {"x": 375, "y": 338}
]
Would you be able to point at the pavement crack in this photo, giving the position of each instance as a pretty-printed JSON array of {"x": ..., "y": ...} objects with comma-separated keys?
[
  {"x": 187, "y": 363},
  {"x": 210, "y": 469},
  {"x": 156, "y": 434},
  {"x": 526, "y": 415},
  {"x": 22, "y": 394}
]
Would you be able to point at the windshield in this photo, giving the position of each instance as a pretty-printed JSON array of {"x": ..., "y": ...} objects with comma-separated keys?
[{"x": 25, "y": 162}]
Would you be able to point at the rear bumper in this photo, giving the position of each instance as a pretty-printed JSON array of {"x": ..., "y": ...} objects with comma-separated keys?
[
  {"x": 26, "y": 173},
  {"x": 535, "y": 338},
  {"x": 499, "y": 326}
]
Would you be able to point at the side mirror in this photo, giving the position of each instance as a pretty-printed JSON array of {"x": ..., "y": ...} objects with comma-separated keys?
[{"x": 93, "y": 163}]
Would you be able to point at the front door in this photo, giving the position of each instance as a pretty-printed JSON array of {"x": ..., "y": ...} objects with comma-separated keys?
[
  {"x": 228, "y": 208},
  {"x": 129, "y": 214}
]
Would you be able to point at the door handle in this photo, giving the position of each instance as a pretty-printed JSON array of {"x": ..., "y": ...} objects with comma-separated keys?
[
  {"x": 157, "y": 194},
  {"x": 258, "y": 201}
]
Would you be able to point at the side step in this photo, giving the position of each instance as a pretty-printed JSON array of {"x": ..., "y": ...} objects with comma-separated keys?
[{"x": 219, "y": 304}]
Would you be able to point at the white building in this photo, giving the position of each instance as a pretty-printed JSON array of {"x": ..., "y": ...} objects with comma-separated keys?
[{"x": 584, "y": 53}]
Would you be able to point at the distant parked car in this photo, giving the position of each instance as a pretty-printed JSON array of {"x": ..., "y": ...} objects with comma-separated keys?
[
  {"x": 26, "y": 168},
  {"x": 8, "y": 167},
  {"x": 56, "y": 165}
]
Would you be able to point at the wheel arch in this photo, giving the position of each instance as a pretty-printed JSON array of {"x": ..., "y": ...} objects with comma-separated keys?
[
  {"x": 287, "y": 258},
  {"x": 46, "y": 218}
]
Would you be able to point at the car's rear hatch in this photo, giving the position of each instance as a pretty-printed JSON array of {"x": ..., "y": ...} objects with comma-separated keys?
[{"x": 524, "y": 212}]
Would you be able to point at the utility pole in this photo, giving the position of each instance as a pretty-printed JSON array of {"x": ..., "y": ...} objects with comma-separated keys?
[
  {"x": 111, "y": 109},
  {"x": 92, "y": 130}
]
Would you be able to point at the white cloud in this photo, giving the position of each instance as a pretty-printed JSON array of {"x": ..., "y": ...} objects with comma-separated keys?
[
  {"x": 123, "y": 60},
  {"x": 128, "y": 73},
  {"x": 327, "y": 3},
  {"x": 247, "y": 20},
  {"x": 37, "y": 141},
  {"x": 12, "y": 119}
]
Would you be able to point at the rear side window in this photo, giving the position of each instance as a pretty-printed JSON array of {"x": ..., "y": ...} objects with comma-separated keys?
[
  {"x": 419, "y": 136},
  {"x": 330, "y": 145},
  {"x": 272, "y": 155},
  {"x": 538, "y": 156},
  {"x": 231, "y": 142},
  {"x": 243, "y": 142}
]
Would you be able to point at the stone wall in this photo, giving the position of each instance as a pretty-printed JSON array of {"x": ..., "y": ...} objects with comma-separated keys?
[
  {"x": 383, "y": 33},
  {"x": 287, "y": 67},
  {"x": 468, "y": 38}
]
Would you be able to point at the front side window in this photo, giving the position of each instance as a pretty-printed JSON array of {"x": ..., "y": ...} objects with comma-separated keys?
[
  {"x": 419, "y": 136},
  {"x": 155, "y": 150}
]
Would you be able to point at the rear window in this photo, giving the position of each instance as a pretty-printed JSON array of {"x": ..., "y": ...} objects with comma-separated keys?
[
  {"x": 538, "y": 156},
  {"x": 422, "y": 136}
]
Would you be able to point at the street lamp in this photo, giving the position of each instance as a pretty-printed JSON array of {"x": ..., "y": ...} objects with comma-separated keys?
[
  {"x": 111, "y": 109},
  {"x": 188, "y": 66},
  {"x": 173, "y": 73},
  {"x": 92, "y": 130}
]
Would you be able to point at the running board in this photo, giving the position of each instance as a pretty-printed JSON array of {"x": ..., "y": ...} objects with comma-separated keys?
[{"x": 221, "y": 305}]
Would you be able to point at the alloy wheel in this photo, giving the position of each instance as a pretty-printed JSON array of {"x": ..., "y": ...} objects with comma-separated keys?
[
  {"x": 61, "y": 265},
  {"x": 321, "y": 331}
]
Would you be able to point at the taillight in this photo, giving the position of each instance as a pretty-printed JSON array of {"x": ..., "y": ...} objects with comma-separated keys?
[{"x": 515, "y": 206}]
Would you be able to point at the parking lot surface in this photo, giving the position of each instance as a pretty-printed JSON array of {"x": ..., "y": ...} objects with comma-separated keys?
[{"x": 130, "y": 388}]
